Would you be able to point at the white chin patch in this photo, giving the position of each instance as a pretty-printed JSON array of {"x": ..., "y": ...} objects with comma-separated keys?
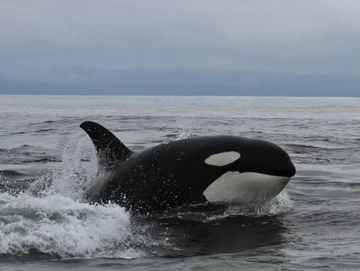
[
  {"x": 222, "y": 159},
  {"x": 236, "y": 188}
]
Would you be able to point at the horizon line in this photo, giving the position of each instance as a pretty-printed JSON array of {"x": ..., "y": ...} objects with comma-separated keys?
[{"x": 177, "y": 95}]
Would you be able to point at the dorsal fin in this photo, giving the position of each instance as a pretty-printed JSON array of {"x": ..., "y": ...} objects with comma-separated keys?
[{"x": 109, "y": 148}]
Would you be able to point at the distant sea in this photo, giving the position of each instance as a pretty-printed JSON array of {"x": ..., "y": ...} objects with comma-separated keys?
[{"x": 46, "y": 162}]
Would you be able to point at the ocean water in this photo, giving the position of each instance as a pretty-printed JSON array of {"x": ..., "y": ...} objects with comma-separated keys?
[{"x": 46, "y": 162}]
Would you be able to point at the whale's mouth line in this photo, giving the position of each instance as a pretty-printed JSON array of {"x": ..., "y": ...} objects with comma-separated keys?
[
  {"x": 289, "y": 173},
  {"x": 262, "y": 173}
]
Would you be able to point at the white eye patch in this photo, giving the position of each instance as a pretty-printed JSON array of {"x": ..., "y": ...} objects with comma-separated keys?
[{"x": 222, "y": 159}]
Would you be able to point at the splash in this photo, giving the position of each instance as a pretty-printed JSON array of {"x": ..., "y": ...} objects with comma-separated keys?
[
  {"x": 60, "y": 226},
  {"x": 190, "y": 127},
  {"x": 280, "y": 204},
  {"x": 52, "y": 217},
  {"x": 74, "y": 174}
]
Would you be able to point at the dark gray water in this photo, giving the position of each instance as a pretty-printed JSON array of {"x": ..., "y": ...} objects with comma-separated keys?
[{"x": 46, "y": 161}]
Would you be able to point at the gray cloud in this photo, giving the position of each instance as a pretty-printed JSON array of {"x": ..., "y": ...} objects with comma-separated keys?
[{"x": 46, "y": 39}]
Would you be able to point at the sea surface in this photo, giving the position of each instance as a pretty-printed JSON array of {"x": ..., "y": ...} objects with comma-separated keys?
[{"x": 46, "y": 162}]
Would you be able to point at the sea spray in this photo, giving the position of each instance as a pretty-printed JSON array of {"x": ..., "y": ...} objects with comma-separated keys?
[
  {"x": 51, "y": 217},
  {"x": 60, "y": 226}
]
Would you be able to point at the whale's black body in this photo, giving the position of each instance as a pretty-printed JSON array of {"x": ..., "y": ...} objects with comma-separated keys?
[{"x": 178, "y": 173}]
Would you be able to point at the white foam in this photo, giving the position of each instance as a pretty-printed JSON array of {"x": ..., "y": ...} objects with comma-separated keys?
[
  {"x": 57, "y": 221},
  {"x": 280, "y": 204},
  {"x": 60, "y": 226}
]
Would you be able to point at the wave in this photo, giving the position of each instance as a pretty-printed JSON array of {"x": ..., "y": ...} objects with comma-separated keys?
[
  {"x": 59, "y": 226},
  {"x": 44, "y": 130},
  {"x": 278, "y": 205},
  {"x": 26, "y": 154},
  {"x": 51, "y": 219},
  {"x": 315, "y": 147},
  {"x": 10, "y": 173}
]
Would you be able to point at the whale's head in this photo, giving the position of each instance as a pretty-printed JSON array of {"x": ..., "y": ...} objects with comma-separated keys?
[{"x": 253, "y": 170}]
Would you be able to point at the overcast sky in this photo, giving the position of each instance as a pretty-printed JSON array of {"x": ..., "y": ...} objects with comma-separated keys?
[{"x": 54, "y": 40}]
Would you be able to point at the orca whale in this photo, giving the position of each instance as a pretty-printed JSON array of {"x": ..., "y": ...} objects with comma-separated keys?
[{"x": 214, "y": 170}]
